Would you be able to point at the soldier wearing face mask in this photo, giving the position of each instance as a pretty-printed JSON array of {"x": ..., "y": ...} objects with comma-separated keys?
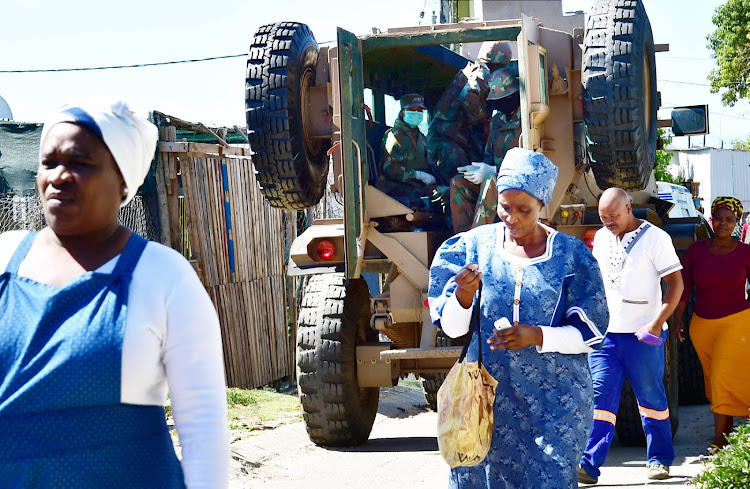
[{"x": 406, "y": 166}]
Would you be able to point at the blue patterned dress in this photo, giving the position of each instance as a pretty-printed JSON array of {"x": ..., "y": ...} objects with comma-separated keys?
[{"x": 544, "y": 401}]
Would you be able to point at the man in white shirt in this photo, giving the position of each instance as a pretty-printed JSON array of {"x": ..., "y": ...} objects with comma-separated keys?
[{"x": 633, "y": 256}]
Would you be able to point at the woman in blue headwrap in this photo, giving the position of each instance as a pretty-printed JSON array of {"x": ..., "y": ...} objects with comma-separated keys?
[
  {"x": 97, "y": 324},
  {"x": 548, "y": 287}
]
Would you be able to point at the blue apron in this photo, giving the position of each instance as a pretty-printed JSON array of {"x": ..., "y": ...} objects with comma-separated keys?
[{"x": 61, "y": 421}]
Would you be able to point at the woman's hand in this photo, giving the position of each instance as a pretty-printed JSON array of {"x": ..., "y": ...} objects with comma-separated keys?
[
  {"x": 679, "y": 327},
  {"x": 467, "y": 282},
  {"x": 516, "y": 337},
  {"x": 679, "y": 316}
]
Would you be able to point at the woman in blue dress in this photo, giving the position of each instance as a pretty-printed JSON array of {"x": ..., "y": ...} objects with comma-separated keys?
[
  {"x": 97, "y": 324},
  {"x": 548, "y": 288}
]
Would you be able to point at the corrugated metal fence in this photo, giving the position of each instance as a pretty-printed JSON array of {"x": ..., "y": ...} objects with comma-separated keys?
[{"x": 720, "y": 172}]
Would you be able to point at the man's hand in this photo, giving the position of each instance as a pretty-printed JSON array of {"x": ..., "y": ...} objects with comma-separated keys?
[
  {"x": 654, "y": 330},
  {"x": 467, "y": 282},
  {"x": 516, "y": 337},
  {"x": 479, "y": 172}
]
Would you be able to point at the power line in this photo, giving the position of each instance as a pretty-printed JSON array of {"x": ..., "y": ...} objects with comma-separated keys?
[
  {"x": 732, "y": 116},
  {"x": 213, "y": 58},
  {"x": 689, "y": 58},
  {"x": 118, "y": 67},
  {"x": 700, "y": 84},
  {"x": 685, "y": 83}
]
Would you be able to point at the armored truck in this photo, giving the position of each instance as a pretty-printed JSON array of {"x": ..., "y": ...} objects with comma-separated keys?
[{"x": 588, "y": 101}]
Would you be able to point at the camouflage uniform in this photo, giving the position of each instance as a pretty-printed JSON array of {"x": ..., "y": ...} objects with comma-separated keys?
[
  {"x": 404, "y": 152},
  {"x": 459, "y": 126},
  {"x": 471, "y": 204}
]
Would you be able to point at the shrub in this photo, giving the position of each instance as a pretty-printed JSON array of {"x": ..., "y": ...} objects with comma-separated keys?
[{"x": 729, "y": 468}]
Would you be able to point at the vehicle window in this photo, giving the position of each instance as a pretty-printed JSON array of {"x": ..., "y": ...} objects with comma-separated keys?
[{"x": 543, "y": 76}]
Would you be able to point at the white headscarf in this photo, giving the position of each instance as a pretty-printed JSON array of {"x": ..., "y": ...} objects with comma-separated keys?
[{"x": 130, "y": 138}]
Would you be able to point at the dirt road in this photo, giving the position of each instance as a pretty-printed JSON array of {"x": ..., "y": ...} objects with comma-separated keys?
[{"x": 402, "y": 452}]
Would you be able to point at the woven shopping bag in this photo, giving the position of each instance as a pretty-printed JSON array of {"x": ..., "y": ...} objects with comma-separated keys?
[{"x": 464, "y": 404}]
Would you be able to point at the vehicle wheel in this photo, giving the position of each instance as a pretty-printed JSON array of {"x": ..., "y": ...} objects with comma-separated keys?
[
  {"x": 619, "y": 94},
  {"x": 291, "y": 167},
  {"x": 629, "y": 427},
  {"x": 431, "y": 382},
  {"x": 333, "y": 320},
  {"x": 430, "y": 386},
  {"x": 692, "y": 385}
]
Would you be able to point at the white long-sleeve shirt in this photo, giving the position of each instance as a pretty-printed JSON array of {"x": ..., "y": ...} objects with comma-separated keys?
[
  {"x": 563, "y": 339},
  {"x": 171, "y": 343}
]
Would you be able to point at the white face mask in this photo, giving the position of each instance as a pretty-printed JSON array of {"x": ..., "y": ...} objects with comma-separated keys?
[{"x": 412, "y": 117}]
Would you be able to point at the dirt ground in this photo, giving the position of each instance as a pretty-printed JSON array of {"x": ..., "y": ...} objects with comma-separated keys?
[{"x": 402, "y": 452}]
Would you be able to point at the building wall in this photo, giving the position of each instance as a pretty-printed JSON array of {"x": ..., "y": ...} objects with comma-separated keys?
[
  {"x": 550, "y": 12},
  {"x": 721, "y": 172}
]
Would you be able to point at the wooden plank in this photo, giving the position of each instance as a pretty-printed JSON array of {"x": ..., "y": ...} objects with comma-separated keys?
[
  {"x": 452, "y": 36},
  {"x": 173, "y": 203},
  {"x": 161, "y": 195},
  {"x": 202, "y": 149}
]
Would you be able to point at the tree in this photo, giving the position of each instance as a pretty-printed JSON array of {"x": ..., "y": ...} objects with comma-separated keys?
[
  {"x": 743, "y": 144},
  {"x": 730, "y": 43},
  {"x": 663, "y": 158}
]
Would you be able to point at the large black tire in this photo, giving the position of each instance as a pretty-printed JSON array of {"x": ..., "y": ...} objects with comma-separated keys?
[
  {"x": 692, "y": 384},
  {"x": 430, "y": 386},
  {"x": 619, "y": 94},
  {"x": 431, "y": 382},
  {"x": 333, "y": 320},
  {"x": 291, "y": 168}
]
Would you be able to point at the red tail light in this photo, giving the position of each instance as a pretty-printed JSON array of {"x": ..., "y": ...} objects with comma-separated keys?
[
  {"x": 325, "y": 249},
  {"x": 588, "y": 237}
]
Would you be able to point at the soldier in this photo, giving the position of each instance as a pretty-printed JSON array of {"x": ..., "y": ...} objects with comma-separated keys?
[
  {"x": 458, "y": 131},
  {"x": 407, "y": 170},
  {"x": 473, "y": 198}
]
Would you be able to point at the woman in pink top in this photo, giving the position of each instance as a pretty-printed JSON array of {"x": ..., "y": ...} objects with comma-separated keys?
[{"x": 720, "y": 327}]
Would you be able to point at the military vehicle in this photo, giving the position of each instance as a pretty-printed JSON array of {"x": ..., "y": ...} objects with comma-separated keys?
[{"x": 306, "y": 107}]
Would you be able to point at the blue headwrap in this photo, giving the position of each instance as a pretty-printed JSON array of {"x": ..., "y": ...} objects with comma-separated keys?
[{"x": 526, "y": 170}]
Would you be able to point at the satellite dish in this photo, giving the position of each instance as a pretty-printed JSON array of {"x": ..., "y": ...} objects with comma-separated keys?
[{"x": 5, "y": 112}]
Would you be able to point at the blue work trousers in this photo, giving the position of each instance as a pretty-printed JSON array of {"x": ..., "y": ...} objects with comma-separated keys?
[{"x": 622, "y": 355}]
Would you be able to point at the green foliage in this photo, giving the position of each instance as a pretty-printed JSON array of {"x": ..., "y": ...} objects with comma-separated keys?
[
  {"x": 663, "y": 157},
  {"x": 730, "y": 467},
  {"x": 261, "y": 404},
  {"x": 730, "y": 43},
  {"x": 743, "y": 144}
]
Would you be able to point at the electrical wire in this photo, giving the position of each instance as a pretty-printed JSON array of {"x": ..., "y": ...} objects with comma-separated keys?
[
  {"x": 696, "y": 83},
  {"x": 118, "y": 67},
  {"x": 703, "y": 59}
]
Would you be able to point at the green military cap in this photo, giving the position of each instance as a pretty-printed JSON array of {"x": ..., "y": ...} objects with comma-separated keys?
[
  {"x": 495, "y": 52},
  {"x": 502, "y": 83},
  {"x": 411, "y": 100}
]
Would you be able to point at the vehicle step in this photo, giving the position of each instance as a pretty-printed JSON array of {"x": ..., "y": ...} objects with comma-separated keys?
[{"x": 414, "y": 353}]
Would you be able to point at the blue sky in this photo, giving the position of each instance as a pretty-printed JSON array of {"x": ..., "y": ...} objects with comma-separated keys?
[{"x": 44, "y": 34}]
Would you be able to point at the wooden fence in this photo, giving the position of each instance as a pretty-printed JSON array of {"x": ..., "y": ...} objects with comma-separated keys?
[{"x": 237, "y": 242}]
